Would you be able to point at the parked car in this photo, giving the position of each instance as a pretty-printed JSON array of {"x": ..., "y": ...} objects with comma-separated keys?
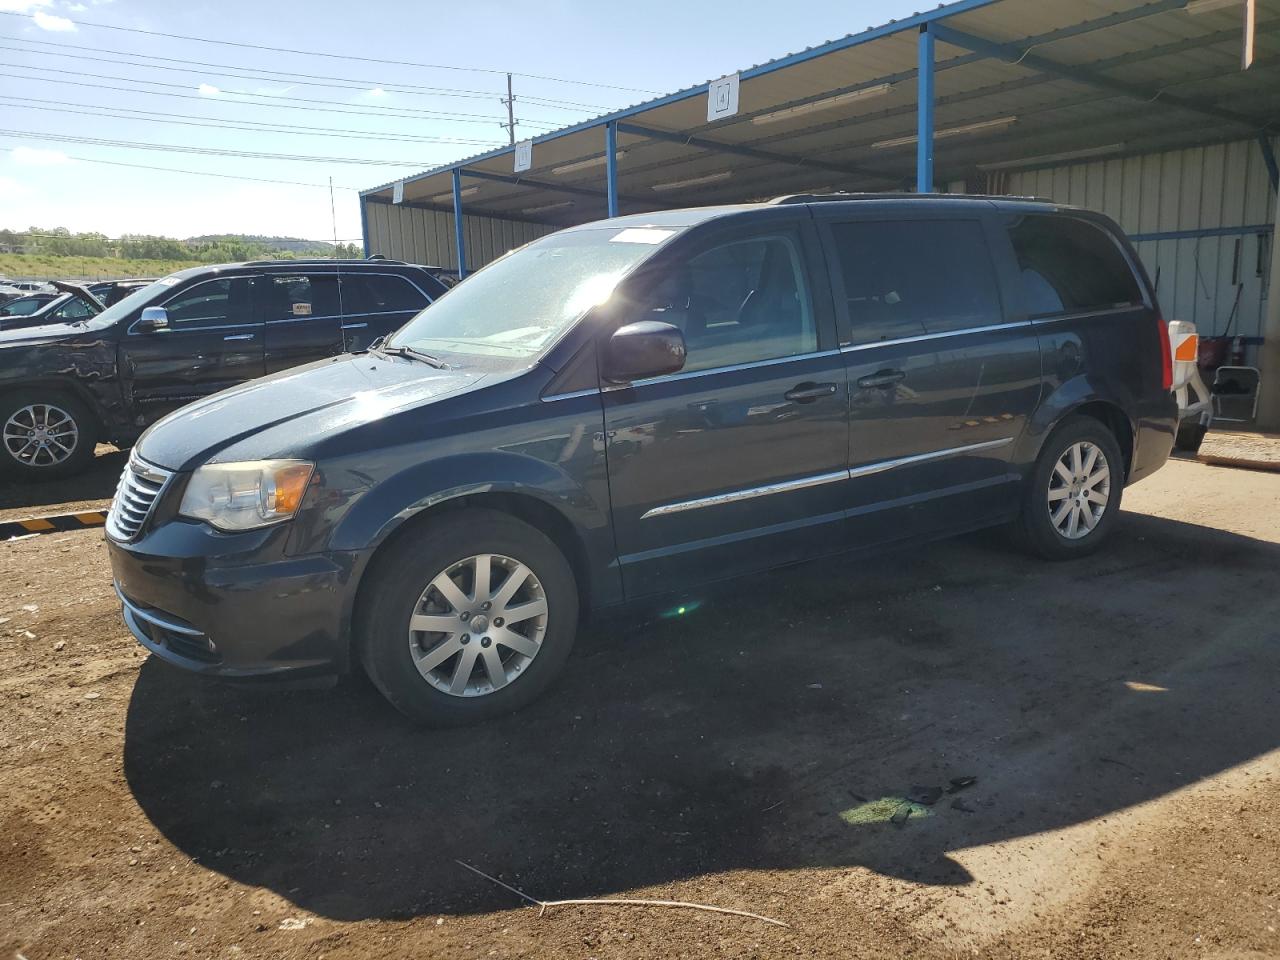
[
  {"x": 624, "y": 411},
  {"x": 107, "y": 377},
  {"x": 111, "y": 292},
  {"x": 25, "y": 304},
  {"x": 68, "y": 304}
]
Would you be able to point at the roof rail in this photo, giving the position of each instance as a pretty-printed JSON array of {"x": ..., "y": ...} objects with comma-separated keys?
[
  {"x": 839, "y": 197},
  {"x": 321, "y": 260}
]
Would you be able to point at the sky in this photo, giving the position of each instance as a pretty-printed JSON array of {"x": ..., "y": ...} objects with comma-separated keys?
[{"x": 179, "y": 114}]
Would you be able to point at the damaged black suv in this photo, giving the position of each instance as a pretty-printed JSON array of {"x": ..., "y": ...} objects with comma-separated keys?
[{"x": 66, "y": 386}]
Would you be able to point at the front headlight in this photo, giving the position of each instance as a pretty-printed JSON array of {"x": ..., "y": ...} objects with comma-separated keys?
[{"x": 242, "y": 496}]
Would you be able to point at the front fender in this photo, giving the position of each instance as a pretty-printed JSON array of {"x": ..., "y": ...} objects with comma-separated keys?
[{"x": 376, "y": 514}]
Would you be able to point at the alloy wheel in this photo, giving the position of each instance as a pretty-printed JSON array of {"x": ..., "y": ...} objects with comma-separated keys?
[
  {"x": 40, "y": 435},
  {"x": 1079, "y": 490},
  {"x": 478, "y": 625}
]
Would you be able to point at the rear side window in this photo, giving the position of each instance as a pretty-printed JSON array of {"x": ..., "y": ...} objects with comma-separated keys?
[
  {"x": 907, "y": 278},
  {"x": 296, "y": 297},
  {"x": 380, "y": 293},
  {"x": 1070, "y": 266}
]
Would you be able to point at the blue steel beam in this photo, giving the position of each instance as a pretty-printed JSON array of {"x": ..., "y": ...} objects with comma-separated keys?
[
  {"x": 715, "y": 146},
  {"x": 546, "y": 185},
  {"x": 364, "y": 225},
  {"x": 611, "y": 165},
  {"x": 459, "y": 233},
  {"x": 1013, "y": 54},
  {"x": 924, "y": 112},
  {"x": 1269, "y": 158}
]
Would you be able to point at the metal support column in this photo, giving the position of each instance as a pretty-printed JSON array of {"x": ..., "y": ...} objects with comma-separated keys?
[
  {"x": 364, "y": 227},
  {"x": 611, "y": 164},
  {"x": 458, "y": 233},
  {"x": 1269, "y": 158},
  {"x": 924, "y": 113}
]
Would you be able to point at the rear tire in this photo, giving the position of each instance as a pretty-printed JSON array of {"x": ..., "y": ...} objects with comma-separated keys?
[
  {"x": 1189, "y": 436},
  {"x": 45, "y": 434},
  {"x": 445, "y": 647},
  {"x": 1071, "y": 503}
]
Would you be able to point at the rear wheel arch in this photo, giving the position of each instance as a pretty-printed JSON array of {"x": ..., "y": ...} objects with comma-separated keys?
[{"x": 1111, "y": 416}]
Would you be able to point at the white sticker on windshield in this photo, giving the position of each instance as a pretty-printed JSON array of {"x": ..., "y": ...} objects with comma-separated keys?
[
  {"x": 170, "y": 281},
  {"x": 641, "y": 235}
]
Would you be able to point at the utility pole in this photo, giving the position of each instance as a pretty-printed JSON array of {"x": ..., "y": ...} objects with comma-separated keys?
[
  {"x": 333, "y": 215},
  {"x": 511, "y": 113}
]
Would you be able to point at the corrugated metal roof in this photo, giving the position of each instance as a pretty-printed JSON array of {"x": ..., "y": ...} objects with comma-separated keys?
[{"x": 1039, "y": 95}]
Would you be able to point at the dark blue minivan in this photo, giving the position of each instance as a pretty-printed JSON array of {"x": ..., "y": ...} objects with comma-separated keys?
[{"x": 632, "y": 408}]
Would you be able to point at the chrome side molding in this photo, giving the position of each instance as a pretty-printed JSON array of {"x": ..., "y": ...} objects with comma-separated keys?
[{"x": 802, "y": 483}]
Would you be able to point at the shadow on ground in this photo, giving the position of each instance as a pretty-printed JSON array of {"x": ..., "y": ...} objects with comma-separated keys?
[
  {"x": 735, "y": 737},
  {"x": 96, "y": 483}
]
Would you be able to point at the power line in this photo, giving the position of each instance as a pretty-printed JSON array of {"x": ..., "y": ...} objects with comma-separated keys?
[
  {"x": 443, "y": 116},
  {"x": 177, "y": 119},
  {"x": 204, "y": 173},
  {"x": 206, "y": 151},
  {"x": 275, "y": 76},
  {"x": 341, "y": 56}
]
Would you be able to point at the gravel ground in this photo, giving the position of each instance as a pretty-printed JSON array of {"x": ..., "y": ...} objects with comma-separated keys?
[{"x": 1119, "y": 716}]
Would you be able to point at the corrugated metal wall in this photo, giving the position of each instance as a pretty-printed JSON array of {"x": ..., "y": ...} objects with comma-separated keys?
[
  {"x": 426, "y": 236},
  {"x": 1202, "y": 279}
]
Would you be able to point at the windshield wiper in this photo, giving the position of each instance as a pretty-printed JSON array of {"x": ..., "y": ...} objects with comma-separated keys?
[{"x": 403, "y": 350}]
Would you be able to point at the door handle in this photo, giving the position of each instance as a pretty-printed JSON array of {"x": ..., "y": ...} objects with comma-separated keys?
[
  {"x": 809, "y": 392},
  {"x": 881, "y": 378},
  {"x": 240, "y": 336}
]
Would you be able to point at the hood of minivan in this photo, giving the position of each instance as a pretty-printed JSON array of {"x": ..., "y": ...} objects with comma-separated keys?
[{"x": 313, "y": 401}]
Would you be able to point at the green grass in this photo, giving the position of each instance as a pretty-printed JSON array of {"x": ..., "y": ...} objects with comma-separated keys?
[{"x": 36, "y": 266}]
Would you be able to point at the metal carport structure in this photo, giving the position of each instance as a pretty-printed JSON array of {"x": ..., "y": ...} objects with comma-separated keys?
[{"x": 971, "y": 96}]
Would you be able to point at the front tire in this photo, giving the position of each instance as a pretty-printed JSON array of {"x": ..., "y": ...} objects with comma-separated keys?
[
  {"x": 1074, "y": 495},
  {"x": 45, "y": 434},
  {"x": 466, "y": 616}
]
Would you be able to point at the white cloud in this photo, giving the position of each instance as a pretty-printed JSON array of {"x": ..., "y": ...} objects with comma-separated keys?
[
  {"x": 377, "y": 92},
  {"x": 22, "y": 6},
  {"x": 208, "y": 90},
  {"x": 34, "y": 157},
  {"x": 47, "y": 21},
  {"x": 76, "y": 7}
]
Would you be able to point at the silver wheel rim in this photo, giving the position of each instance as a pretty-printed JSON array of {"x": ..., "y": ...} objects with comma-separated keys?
[
  {"x": 478, "y": 625},
  {"x": 1079, "y": 490},
  {"x": 40, "y": 435}
]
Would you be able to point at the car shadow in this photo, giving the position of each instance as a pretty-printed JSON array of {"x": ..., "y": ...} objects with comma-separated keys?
[
  {"x": 759, "y": 730},
  {"x": 98, "y": 482}
]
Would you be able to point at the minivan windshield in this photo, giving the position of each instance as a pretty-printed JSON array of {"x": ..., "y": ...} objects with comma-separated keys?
[{"x": 519, "y": 305}]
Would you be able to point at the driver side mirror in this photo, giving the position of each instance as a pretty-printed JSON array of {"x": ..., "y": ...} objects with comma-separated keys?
[
  {"x": 647, "y": 348},
  {"x": 153, "y": 319}
]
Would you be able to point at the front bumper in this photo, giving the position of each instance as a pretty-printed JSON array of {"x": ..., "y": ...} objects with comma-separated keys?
[{"x": 231, "y": 606}]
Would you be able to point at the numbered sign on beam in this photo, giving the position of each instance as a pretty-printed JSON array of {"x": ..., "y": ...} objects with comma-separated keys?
[
  {"x": 524, "y": 155},
  {"x": 722, "y": 98},
  {"x": 397, "y": 192}
]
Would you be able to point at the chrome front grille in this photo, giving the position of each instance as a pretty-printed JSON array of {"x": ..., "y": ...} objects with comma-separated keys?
[{"x": 136, "y": 494}]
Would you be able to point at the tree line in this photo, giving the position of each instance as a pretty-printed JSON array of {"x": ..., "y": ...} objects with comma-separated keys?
[{"x": 61, "y": 242}]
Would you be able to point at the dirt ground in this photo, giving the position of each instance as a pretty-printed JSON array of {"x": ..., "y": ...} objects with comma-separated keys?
[{"x": 1121, "y": 716}]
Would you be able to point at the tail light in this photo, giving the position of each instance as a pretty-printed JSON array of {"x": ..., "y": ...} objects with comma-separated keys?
[{"x": 1166, "y": 354}]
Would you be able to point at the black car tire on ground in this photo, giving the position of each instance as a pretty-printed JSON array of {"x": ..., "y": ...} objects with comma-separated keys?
[
  {"x": 393, "y": 587},
  {"x": 11, "y": 404},
  {"x": 1036, "y": 525},
  {"x": 1189, "y": 436}
]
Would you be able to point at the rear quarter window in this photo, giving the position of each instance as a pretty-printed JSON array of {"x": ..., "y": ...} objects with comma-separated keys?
[
  {"x": 380, "y": 293},
  {"x": 1069, "y": 265}
]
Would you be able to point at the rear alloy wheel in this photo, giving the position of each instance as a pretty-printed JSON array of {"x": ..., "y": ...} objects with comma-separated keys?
[
  {"x": 1075, "y": 490},
  {"x": 44, "y": 435},
  {"x": 465, "y": 616}
]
